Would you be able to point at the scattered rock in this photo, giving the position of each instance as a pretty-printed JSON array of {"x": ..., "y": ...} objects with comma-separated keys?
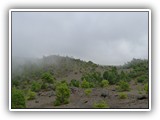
[
  {"x": 74, "y": 90},
  {"x": 141, "y": 97},
  {"x": 39, "y": 94},
  {"x": 50, "y": 87},
  {"x": 36, "y": 101},
  {"x": 104, "y": 95},
  {"x": 51, "y": 94},
  {"x": 116, "y": 95},
  {"x": 75, "y": 73},
  {"x": 43, "y": 94}
]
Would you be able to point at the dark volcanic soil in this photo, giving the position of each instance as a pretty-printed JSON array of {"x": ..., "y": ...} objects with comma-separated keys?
[{"x": 78, "y": 99}]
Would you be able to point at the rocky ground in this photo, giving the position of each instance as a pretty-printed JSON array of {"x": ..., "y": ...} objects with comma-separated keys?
[{"x": 136, "y": 98}]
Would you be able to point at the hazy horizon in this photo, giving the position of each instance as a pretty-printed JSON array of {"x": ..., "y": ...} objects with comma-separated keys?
[{"x": 106, "y": 38}]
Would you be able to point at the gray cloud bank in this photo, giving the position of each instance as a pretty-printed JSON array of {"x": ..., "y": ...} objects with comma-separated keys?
[{"x": 102, "y": 37}]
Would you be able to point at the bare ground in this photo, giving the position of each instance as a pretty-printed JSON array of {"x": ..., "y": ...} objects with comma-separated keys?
[{"x": 78, "y": 99}]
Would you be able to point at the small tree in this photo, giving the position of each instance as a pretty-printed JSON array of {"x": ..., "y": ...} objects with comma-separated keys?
[
  {"x": 122, "y": 75},
  {"x": 17, "y": 99},
  {"x": 112, "y": 78},
  {"x": 31, "y": 95},
  {"x": 48, "y": 78},
  {"x": 35, "y": 86},
  {"x": 146, "y": 88},
  {"x": 88, "y": 91},
  {"x": 104, "y": 83},
  {"x": 62, "y": 94},
  {"x": 123, "y": 86},
  {"x": 15, "y": 83},
  {"x": 100, "y": 104},
  {"x": 141, "y": 79},
  {"x": 105, "y": 75},
  {"x": 94, "y": 78},
  {"x": 85, "y": 84},
  {"x": 74, "y": 83},
  {"x": 122, "y": 95}
]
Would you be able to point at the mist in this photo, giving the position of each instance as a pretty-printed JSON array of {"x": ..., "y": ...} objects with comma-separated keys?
[{"x": 106, "y": 38}]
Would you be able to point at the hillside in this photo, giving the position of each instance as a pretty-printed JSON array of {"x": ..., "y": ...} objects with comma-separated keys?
[{"x": 64, "y": 82}]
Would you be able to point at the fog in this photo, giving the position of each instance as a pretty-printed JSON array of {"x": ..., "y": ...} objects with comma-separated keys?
[{"x": 108, "y": 38}]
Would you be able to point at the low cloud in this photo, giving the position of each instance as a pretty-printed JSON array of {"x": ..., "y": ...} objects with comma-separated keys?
[{"x": 103, "y": 37}]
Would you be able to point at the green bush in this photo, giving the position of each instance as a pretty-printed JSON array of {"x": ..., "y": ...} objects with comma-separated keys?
[
  {"x": 35, "y": 86},
  {"x": 64, "y": 81},
  {"x": 88, "y": 91},
  {"x": 123, "y": 86},
  {"x": 31, "y": 95},
  {"x": 15, "y": 83},
  {"x": 57, "y": 103},
  {"x": 104, "y": 83},
  {"x": 100, "y": 104},
  {"x": 75, "y": 83},
  {"x": 122, "y": 95},
  {"x": 48, "y": 78},
  {"x": 17, "y": 99},
  {"x": 124, "y": 76},
  {"x": 146, "y": 87},
  {"x": 141, "y": 79},
  {"x": 111, "y": 75},
  {"x": 106, "y": 75},
  {"x": 94, "y": 78},
  {"x": 62, "y": 94},
  {"x": 85, "y": 84}
]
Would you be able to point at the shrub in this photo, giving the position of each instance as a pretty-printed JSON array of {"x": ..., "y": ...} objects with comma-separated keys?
[
  {"x": 146, "y": 87},
  {"x": 31, "y": 95},
  {"x": 47, "y": 77},
  {"x": 112, "y": 78},
  {"x": 85, "y": 84},
  {"x": 106, "y": 75},
  {"x": 92, "y": 85},
  {"x": 75, "y": 83},
  {"x": 17, "y": 99},
  {"x": 124, "y": 76},
  {"x": 62, "y": 94},
  {"x": 104, "y": 83},
  {"x": 132, "y": 74},
  {"x": 57, "y": 103},
  {"x": 93, "y": 77},
  {"x": 100, "y": 104},
  {"x": 35, "y": 86},
  {"x": 123, "y": 86},
  {"x": 15, "y": 83},
  {"x": 64, "y": 81},
  {"x": 111, "y": 75},
  {"x": 122, "y": 95},
  {"x": 88, "y": 91},
  {"x": 142, "y": 79}
]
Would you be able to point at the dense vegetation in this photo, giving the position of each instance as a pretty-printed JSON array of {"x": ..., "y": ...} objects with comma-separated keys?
[
  {"x": 52, "y": 73},
  {"x": 18, "y": 99}
]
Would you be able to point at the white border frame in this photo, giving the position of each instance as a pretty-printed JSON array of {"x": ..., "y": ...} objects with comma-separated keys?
[{"x": 107, "y": 10}]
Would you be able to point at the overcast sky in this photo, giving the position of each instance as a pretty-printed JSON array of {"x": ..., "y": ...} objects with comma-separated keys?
[{"x": 102, "y": 37}]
